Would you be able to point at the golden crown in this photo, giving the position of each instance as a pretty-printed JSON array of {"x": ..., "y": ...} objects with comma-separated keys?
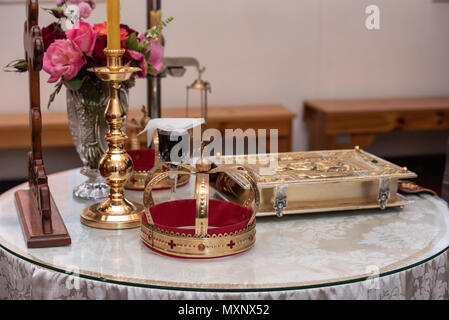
[{"x": 221, "y": 228}]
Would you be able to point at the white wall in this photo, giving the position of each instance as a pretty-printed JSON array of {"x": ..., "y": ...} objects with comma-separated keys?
[{"x": 278, "y": 51}]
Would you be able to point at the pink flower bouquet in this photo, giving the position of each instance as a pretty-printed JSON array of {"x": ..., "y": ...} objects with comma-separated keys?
[{"x": 73, "y": 45}]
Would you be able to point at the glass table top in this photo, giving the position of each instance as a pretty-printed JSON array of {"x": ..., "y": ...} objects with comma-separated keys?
[{"x": 293, "y": 252}]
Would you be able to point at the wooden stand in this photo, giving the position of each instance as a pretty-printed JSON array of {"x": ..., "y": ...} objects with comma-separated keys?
[
  {"x": 41, "y": 221},
  {"x": 33, "y": 224}
]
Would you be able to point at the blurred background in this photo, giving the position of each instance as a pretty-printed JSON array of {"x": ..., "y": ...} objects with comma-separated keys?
[{"x": 269, "y": 52}]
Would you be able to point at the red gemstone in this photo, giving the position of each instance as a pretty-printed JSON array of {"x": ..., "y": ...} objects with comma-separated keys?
[
  {"x": 251, "y": 238},
  {"x": 149, "y": 237},
  {"x": 201, "y": 247}
]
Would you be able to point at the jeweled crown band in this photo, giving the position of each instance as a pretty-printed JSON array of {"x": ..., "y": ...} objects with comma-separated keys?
[{"x": 188, "y": 246}]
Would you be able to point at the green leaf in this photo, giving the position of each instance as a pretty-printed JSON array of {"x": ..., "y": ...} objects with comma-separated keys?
[
  {"x": 91, "y": 92},
  {"x": 58, "y": 13},
  {"x": 133, "y": 42},
  {"x": 129, "y": 83},
  {"x": 156, "y": 30},
  {"x": 19, "y": 65},
  {"x": 53, "y": 95},
  {"x": 152, "y": 69},
  {"x": 142, "y": 47},
  {"x": 74, "y": 84}
]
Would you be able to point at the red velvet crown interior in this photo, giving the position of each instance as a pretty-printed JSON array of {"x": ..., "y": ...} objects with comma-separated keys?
[
  {"x": 175, "y": 216},
  {"x": 143, "y": 159}
]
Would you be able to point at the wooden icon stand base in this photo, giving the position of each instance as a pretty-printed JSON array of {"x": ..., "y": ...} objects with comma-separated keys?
[
  {"x": 41, "y": 221},
  {"x": 32, "y": 223}
]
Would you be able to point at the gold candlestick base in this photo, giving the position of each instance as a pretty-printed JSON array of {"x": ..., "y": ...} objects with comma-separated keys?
[
  {"x": 115, "y": 165},
  {"x": 124, "y": 216}
]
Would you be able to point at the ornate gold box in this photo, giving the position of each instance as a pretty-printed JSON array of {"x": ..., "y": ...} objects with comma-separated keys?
[{"x": 315, "y": 181}]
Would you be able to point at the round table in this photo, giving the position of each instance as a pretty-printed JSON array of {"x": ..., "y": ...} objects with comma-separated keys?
[{"x": 364, "y": 254}]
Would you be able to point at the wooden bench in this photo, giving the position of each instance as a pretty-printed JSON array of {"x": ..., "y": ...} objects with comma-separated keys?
[
  {"x": 14, "y": 131},
  {"x": 345, "y": 123}
]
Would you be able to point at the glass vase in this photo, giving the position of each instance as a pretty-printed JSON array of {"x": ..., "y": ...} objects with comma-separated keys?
[{"x": 88, "y": 128}]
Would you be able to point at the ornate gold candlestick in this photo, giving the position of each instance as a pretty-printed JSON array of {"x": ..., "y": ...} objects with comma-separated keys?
[{"x": 115, "y": 166}]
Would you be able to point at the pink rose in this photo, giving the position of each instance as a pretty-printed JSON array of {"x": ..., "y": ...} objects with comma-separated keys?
[
  {"x": 85, "y": 10},
  {"x": 157, "y": 53},
  {"x": 63, "y": 59},
  {"x": 140, "y": 59},
  {"x": 84, "y": 36}
]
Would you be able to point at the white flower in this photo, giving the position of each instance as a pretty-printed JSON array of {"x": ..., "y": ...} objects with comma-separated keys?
[{"x": 72, "y": 12}]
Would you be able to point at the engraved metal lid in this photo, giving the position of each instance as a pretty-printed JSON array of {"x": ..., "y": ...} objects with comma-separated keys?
[{"x": 317, "y": 166}]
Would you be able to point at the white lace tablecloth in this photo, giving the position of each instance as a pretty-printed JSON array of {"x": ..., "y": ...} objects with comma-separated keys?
[{"x": 365, "y": 254}]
